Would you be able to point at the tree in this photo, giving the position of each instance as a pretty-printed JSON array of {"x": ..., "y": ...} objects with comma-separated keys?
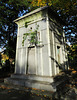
[
  {"x": 69, "y": 14},
  {"x": 40, "y": 3},
  {"x": 9, "y": 11},
  {"x": 0, "y": 58},
  {"x": 68, "y": 11}
]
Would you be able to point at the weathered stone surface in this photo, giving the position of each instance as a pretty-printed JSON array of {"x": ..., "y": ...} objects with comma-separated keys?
[
  {"x": 32, "y": 77},
  {"x": 39, "y": 82},
  {"x": 44, "y": 59}
]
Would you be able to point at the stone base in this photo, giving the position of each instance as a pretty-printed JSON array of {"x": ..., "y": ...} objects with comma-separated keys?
[{"x": 32, "y": 81}]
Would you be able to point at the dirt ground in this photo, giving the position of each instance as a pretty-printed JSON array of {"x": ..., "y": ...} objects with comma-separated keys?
[{"x": 10, "y": 92}]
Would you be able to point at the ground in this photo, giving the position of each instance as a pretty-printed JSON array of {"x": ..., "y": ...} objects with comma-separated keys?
[
  {"x": 13, "y": 94},
  {"x": 10, "y": 92}
]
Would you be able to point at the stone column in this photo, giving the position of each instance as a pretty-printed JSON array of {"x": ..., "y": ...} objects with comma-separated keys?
[
  {"x": 53, "y": 53},
  {"x": 26, "y": 61},
  {"x": 49, "y": 50},
  {"x": 16, "y": 58}
]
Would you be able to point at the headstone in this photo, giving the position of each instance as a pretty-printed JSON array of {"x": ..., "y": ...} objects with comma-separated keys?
[{"x": 36, "y": 64}]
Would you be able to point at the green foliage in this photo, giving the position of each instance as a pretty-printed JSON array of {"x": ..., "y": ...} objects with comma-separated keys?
[
  {"x": 26, "y": 24},
  {"x": 67, "y": 10},
  {"x": 7, "y": 65},
  {"x": 0, "y": 58},
  {"x": 72, "y": 55},
  {"x": 31, "y": 34},
  {"x": 11, "y": 48},
  {"x": 9, "y": 11}
]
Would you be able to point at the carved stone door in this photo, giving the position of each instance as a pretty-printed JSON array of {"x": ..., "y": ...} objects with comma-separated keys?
[{"x": 31, "y": 61}]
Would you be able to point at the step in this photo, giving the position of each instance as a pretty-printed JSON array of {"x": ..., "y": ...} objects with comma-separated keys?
[
  {"x": 31, "y": 84},
  {"x": 33, "y": 77},
  {"x": 38, "y": 82}
]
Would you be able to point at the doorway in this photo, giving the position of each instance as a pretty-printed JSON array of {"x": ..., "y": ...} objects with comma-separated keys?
[{"x": 31, "y": 61}]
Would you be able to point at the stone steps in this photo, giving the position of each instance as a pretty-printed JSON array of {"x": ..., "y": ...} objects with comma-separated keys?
[
  {"x": 31, "y": 84},
  {"x": 38, "y": 82},
  {"x": 33, "y": 77}
]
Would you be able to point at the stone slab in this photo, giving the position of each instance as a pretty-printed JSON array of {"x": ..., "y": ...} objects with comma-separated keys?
[
  {"x": 33, "y": 77},
  {"x": 30, "y": 83}
]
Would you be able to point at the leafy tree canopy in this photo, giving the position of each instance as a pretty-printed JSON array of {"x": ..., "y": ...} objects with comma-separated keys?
[{"x": 9, "y": 11}]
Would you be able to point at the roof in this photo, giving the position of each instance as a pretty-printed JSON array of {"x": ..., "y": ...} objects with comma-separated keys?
[
  {"x": 30, "y": 13},
  {"x": 58, "y": 18}
]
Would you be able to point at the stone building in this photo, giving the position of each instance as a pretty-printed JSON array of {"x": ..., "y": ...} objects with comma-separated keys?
[{"x": 37, "y": 64}]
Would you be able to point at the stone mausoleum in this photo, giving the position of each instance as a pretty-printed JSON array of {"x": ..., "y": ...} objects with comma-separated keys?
[{"x": 37, "y": 64}]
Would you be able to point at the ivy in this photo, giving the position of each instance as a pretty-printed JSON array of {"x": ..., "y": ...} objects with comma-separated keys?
[
  {"x": 26, "y": 24},
  {"x": 32, "y": 35}
]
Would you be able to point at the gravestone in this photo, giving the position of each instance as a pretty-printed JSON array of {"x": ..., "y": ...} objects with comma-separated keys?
[{"x": 36, "y": 65}]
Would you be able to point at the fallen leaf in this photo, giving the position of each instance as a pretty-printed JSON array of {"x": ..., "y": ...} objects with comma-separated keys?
[
  {"x": 9, "y": 91},
  {"x": 43, "y": 90},
  {"x": 44, "y": 95},
  {"x": 74, "y": 71}
]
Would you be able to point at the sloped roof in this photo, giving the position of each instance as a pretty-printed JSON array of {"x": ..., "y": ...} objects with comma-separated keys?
[{"x": 40, "y": 9}]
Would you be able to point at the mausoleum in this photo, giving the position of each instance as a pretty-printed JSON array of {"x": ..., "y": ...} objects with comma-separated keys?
[{"x": 37, "y": 63}]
